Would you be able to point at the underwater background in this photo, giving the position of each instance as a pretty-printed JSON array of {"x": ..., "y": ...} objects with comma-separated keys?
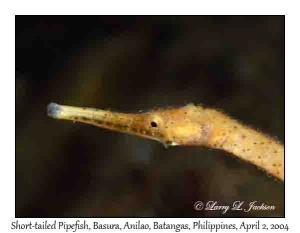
[{"x": 131, "y": 63}]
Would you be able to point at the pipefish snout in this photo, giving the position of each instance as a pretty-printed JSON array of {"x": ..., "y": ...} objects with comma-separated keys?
[
  {"x": 53, "y": 110},
  {"x": 189, "y": 125}
]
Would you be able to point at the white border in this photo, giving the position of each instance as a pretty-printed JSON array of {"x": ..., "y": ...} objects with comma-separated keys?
[{"x": 97, "y": 7}]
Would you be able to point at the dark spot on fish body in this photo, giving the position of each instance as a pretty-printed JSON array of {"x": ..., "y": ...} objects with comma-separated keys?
[
  {"x": 205, "y": 133},
  {"x": 126, "y": 127},
  {"x": 168, "y": 143},
  {"x": 118, "y": 126}
]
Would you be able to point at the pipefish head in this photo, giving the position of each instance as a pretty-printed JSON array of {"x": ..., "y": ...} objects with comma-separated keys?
[
  {"x": 174, "y": 126},
  {"x": 171, "y": 126}
]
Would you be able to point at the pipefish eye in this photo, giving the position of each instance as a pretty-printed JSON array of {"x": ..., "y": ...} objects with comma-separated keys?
[{"x": 153, "y": 124}]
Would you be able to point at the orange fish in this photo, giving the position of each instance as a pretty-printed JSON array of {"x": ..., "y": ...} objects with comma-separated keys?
[{"x": 186, "y": 126}]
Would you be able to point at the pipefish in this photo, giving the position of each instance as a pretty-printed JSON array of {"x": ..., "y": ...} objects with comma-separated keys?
[{"x": 189, "y": 125}]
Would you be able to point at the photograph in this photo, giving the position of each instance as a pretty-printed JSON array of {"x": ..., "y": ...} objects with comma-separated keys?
[{"x": 149, "y": 116}]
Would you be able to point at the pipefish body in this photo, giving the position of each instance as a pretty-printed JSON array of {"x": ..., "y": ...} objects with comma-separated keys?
[{"x": 186, "y": 126}]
